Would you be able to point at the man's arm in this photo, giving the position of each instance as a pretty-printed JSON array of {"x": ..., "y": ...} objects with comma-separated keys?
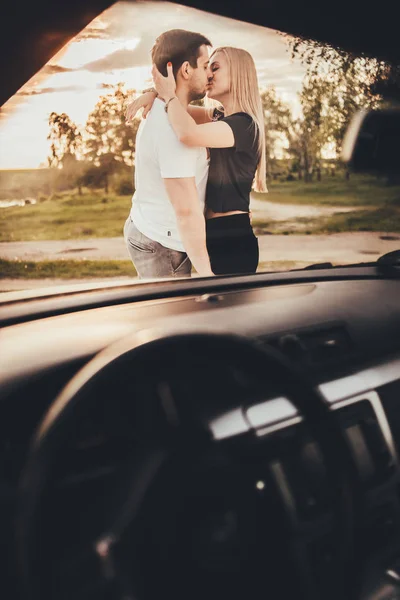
[{"x": 182, "y": 193}]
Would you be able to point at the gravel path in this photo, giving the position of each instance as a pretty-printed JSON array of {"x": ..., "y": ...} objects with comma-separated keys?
[
  {"x": 296, "y": 250},
  {"x": 336, "y": 247},
  {"x": 263, "y": 209}
]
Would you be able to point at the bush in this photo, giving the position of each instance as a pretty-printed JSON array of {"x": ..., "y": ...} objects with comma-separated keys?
[{"x": 123, "y": 185}]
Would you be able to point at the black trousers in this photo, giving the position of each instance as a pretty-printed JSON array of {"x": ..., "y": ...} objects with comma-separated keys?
[{"x": 232, "y": 245}]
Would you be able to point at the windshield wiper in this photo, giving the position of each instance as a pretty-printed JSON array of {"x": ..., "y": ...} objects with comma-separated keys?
[{"x": 389, "y": 262}]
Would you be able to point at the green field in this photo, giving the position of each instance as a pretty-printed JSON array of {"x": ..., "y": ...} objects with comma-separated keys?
[
  {"x": 97, "y": 269},
  {"x": 386, "y": 219},
  {"x": 65, "y": 269},
  {"x": 95, "y": 214},
  {"x": 360, "y": 190},
  {"x": 66, "y": 216}
]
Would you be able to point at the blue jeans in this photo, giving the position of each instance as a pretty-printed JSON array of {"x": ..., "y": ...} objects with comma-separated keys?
[{"x": 153, "y": 260}]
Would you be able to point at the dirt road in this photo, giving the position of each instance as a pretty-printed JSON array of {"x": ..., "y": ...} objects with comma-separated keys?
[
  {"x": 336, "y": 247},
  {"x": 294, "y": 250}
]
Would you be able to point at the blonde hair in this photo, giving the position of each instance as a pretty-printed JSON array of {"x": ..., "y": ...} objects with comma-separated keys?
[{"x": 246, "y": 96}]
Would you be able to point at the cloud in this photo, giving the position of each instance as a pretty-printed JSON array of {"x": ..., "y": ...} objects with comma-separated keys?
[
  {"x": 271, "y": 75},
  {"x": 95, "y": 33},
  {"x": 51, "y": 69},
  {"x": 147, "y": 19},
  {"x": 125, "y": 20},
  {"x": 50, "y": 90},
  {"x": 93, "y": 68},
  {"x": 5, "y": 113},
  {"x": 120, "y": 59},
  {"x": 111, "y": 24}
]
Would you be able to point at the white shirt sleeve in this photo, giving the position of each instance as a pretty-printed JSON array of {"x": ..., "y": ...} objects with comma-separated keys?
[{"x": 175, "y": 159}]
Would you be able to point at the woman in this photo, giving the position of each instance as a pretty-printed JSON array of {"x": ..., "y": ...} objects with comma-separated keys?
[{"x": 236, "y": 142}]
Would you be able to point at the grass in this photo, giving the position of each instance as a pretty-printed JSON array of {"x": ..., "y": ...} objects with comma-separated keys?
[
  {"x": 95, "y": 215},
  {"x": 281, "y": 265},
  {"x": 97, "y": 269},
  {"x": 66, "y": 216},
  {"x": 360, "y": 190},
  {"x": 382, "y": 219},
  {"x": 385, "y": 219},
  {"x": 65, "y": 269}
]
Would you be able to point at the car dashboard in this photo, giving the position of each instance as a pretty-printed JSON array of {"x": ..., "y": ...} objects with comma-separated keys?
[{"x": 343, "y": 334}]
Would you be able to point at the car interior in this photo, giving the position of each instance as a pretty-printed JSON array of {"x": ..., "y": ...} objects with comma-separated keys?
[{"x": 228, "y": 437}]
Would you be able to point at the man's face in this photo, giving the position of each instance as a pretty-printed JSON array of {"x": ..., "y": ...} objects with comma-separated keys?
[{"x": 198, "y": 83}]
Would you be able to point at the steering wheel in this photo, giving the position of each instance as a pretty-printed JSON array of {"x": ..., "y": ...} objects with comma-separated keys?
[{"x": 187, "y": 512}]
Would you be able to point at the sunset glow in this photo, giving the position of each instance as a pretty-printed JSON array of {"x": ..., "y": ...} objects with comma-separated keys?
[{"x": 115, "y": 47}]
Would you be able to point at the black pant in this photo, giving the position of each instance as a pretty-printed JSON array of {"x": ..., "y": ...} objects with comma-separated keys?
[{"x": 232, "y": 245}]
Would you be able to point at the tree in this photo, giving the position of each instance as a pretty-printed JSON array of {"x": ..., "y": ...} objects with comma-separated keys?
[
  {"x": 319, "y": 123},
  {"x": 277, "y": 118},
  {"x": 66, "y": 146},
  {"x": 298, "y": 144},
  {"x": 106, "y": 146},
  {"x": 378, "y": 77},
  {"x": 357, "y": 80},
  {"x": 65, "y": 137},
  {"x": 109, "y": 141},
  {"x": 345, "y": 83}
]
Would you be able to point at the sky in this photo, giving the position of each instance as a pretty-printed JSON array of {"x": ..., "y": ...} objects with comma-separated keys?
[{"x": 115, "y": 47}]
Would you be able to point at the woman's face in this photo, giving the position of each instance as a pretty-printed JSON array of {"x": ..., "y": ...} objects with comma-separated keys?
[{"x": 220, "y": 82}]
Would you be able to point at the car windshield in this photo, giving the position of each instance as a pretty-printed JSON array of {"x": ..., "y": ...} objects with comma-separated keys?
[{"x": 237, "y": 171}]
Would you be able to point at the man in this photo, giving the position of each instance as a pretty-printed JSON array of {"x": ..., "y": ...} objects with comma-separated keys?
[{"x": 165, "y": 231}]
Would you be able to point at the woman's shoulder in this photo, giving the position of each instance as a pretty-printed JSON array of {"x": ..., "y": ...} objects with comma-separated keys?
[
  {"x": 218, "y": 115},
  {"x": 245, "y": 131},
  {"x": 241, "y": 115},
  {"x": 241, "y": 121}
]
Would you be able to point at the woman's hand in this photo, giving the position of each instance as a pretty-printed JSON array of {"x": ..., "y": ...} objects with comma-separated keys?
[
  {"x": 144, "y": 101},
  {"x": 165, "y": 86}
]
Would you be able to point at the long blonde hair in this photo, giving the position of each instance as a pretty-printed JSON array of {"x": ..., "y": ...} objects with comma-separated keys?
[{"x": 246, "y": 97}]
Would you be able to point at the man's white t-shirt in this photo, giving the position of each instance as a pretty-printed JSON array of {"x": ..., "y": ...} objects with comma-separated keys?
[{"x": 160, "y": 155}]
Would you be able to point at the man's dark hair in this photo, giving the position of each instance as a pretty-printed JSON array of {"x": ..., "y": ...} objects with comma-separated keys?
[{"x": 177, "y": 46}]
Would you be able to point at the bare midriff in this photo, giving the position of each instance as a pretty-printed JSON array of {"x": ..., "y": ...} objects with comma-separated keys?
[{"x": 210, "y": 214}]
